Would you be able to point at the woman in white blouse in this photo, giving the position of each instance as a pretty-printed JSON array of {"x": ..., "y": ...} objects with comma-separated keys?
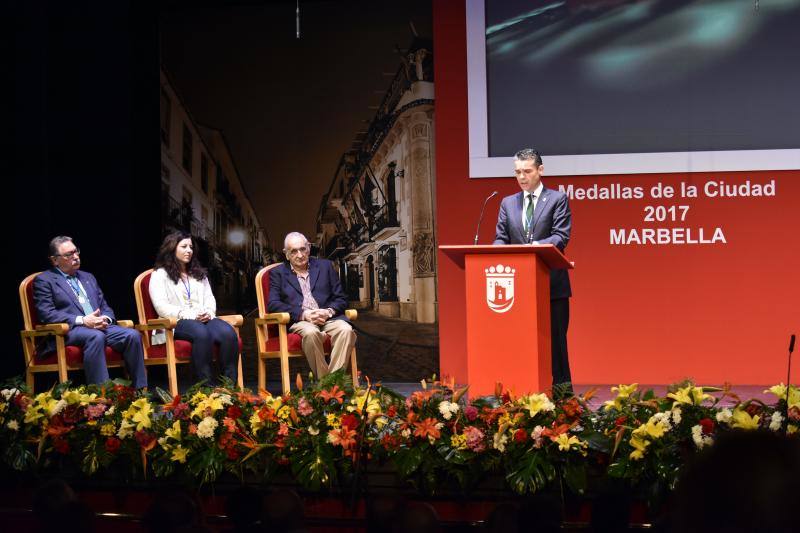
[{"x": 179, "y": 289}]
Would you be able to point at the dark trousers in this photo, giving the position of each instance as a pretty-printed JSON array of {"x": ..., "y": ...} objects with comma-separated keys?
[
  {"x": 559, "y": 323},
  {"x": 203, "y": 338},
  {"x": 126, "y": 341}
]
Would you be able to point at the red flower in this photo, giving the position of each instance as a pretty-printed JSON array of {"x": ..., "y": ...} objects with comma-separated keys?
[
  {"x": 520, "y": 436},
  {"x": 113, "y": 444},
  {"x": 390, "y": 442},
  {"x": 232, "y": 453},
  {"x": 391, "y": 412},
  {"x": 350, "y": 421},
  {"x": 344, "y": 437},
  {"x": 234, "y": 412},
  {"x": 707, "y": 425},
  {"x": 572, "y": 408},
  {"x": 61, "y": 445},
  {"x": 794, "y": 413},
  {"x": 620, "y": 420}
]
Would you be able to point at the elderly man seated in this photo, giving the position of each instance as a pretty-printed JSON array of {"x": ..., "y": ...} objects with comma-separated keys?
[{"x": 309, "y": 290}]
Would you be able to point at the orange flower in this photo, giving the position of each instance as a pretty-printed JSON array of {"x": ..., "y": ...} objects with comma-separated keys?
[
  {"x": 334, "y": 394},
  {"x": 555, "y": 431},
  {"x": 427, "y": 428},
  {"x": 344, "y": 437}
]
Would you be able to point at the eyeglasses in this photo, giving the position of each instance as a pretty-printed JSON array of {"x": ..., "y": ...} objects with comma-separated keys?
[{"x": 69, "y": 255}]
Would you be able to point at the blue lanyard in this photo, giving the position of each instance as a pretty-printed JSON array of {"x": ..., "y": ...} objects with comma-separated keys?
[{"x": 187, "y": 286}]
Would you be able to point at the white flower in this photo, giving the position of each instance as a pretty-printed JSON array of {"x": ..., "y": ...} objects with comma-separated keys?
[
  {"x": 448, "y": 409},
  {"x": 499, "y": 441},
  {"x": 125, "y": 429},
  {"x": 225, "y": 399},
  {"x": 58, "y": 407},
  {"x": 8, "y": 393},
  {"x": 110, "y": 411},
  {"x": 699, "y": 439},
  {"x": 13, "y": 425},
  {"x": 676, "y": 415},
  {"x": 776, "y": 421},
  {"x": 206, "y": 428},
  {"x": 536, "y": 436},
  {"x": 312, "y": 430},
  {"x": 724, "y": 416},
  {"x": 406, "y": 433},
  {"x": 663, "y": 419}
]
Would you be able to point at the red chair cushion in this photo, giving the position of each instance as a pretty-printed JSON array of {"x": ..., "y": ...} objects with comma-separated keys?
[
  {"x": 149, "y": 310},
  {"x": 294, "y": 342},
  {"x": 75, "y": 356}
]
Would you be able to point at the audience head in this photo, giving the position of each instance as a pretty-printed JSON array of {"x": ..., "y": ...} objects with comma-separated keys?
[
  {"x": 177, "y": 254},
  {"x": 745, "y": 481}
]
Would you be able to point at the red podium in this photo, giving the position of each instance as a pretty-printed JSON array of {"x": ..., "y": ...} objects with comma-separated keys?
[{"x": 507, "y": 314}]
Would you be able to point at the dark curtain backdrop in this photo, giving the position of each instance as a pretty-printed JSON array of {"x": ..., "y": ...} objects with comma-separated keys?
[{"x": 85, "y": 146}]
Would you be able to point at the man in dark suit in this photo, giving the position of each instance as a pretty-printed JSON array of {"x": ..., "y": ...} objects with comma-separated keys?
[
  {"x": 538, "y": 215},
  {"x": 310, "y": 291},
  {"x": 66, "y": 294}
]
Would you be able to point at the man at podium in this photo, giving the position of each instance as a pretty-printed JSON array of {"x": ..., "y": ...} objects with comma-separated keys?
[{"x": 538, "y": 215}]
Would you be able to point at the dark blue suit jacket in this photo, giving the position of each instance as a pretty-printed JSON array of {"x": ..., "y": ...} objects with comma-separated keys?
[
  {"x": 552, "y": 224},
  {"x": 56, "y": 301},
  {"x": 286, "y": 296}
]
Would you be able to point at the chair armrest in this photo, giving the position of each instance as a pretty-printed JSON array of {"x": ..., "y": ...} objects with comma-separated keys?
[
  {"x": 234, "y": 320},
  {"x": 352, "y": 314},
  {"x": 58, "y": 329},
  {"x": 273, "y": 318},
  {"x": 125, "y": 323},
  {"x": 162, "y": 323}
]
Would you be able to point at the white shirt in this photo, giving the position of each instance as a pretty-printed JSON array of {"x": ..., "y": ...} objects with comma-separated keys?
[{"x": 537, "y": 193}]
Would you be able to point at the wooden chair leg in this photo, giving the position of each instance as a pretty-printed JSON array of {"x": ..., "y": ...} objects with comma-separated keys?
[
  {"x": 262, "y": 373},
  {"x": 285, "y": 373},
  {"x": 240, "y": 379},
  {"x": 172, "y": 373},
  {"x": 29, "y": 380},
  {"x": 354, "y": 367},
  {"x": 61, "y": 356}
]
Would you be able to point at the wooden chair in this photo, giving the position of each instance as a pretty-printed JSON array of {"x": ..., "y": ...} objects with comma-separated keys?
[
  {"x": 275, "y": 341},
  {"x": 64, "y": 358},
  {"x": 173, "y": 352}
]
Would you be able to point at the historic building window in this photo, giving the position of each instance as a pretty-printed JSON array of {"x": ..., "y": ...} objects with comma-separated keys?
[
  {"x": 187, "y": 149},
  {"x": 387, "y": 273},
  {"x": 204, "y": 172},
  {"x": 166, "y": 113}
]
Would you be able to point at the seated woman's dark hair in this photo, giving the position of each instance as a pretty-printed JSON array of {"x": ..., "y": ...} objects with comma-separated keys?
[{"x": 166, "y": 258}]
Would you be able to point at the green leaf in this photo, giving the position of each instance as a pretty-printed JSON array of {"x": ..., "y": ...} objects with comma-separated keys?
[
  {"x": 531, "y": 474},
  {"x": 314, "y": 468},
  {"x": 408, "y": 460},
  {"x": 575, "y": 476}
]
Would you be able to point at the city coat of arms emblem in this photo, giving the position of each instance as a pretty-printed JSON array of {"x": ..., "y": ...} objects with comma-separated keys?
[{"x": 500, "y": 288}]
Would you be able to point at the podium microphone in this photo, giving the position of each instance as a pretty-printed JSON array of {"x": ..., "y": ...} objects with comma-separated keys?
[
  {"x": 788, "y": 382},
  {"x": 480, "y": 218}
]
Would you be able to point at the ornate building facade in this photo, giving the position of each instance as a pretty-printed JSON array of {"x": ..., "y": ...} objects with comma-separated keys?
[
  {"x": 377, "y": 219},
  {"x": 201, "y": 192}
]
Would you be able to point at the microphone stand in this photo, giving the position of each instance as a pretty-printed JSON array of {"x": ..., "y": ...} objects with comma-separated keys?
[
  {"x": 788, "y": 383},
  {"x": 480, "y": 218}
]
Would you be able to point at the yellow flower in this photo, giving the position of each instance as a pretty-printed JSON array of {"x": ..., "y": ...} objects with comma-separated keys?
[
  {"x": 284, "y": 412},
  {"x": 140, "y": 412},
  {"x": 333, "y": 421},
  {"x": 743, "y": 420},
  {"x": 536, "y": 403},
  {"x": 174, "y": 433},
  {"x": 197, "y": 398},
  {"x": 73, "y": 397},
  {"x": 107, "y": 430},
  {"x": 357, "y": 404},
  {"x": 3, "y": 407},
  {"x": 639, "y": 446},
  {"x": 459, "y": 442},
  {"x": 791, "y": 429},
  {"x": 623, "y": 392},
  {"x": 689, "y": 395},
  {"x": 565, "y": 442},
  {"x": 780, "y": 393},
  {"x": 42, "y": 406},
  {"x": 213, "y": 403},
  {"x": 255, "y": 423},
  {"x": 179, "y": 454}
]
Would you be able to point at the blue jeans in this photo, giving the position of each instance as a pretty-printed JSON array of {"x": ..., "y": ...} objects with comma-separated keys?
[{"x": 203, "y": 337}]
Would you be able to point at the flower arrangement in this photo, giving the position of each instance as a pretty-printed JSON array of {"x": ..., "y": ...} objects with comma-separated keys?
[{"x": 327, "y": 430}]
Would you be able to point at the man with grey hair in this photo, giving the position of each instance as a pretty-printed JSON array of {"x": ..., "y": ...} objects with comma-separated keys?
[
  {"x": 67, "y": 294},
  {"x": 538, "y": 215},
  {"x": 309, "y": 290}
]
